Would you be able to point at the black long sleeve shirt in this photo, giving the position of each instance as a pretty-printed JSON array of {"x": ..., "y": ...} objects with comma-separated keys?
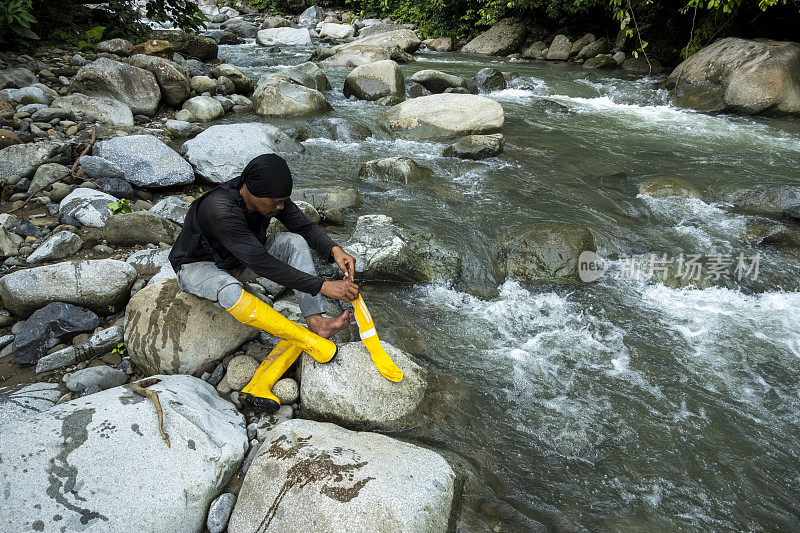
[{"x": 219, "y": 228}]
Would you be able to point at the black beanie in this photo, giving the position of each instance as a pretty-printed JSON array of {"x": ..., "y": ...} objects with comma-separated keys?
[{"x": 268, "y": 176}]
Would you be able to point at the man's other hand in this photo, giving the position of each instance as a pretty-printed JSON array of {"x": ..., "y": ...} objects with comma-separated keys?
[
  {"x": 344, "y": 290},
  {"x": 346, "y": 262}
]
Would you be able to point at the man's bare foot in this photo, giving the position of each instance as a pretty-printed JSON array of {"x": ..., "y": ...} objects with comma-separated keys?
[{"x": 326, "y": 326}]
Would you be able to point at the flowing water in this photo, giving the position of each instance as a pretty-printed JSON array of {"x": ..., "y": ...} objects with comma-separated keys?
[{"x": 617, "y": 405}]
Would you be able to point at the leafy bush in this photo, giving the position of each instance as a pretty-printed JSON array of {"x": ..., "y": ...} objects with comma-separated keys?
[
  {"x": 120, "y": 206},
  {"x": 16, "y": 16}
]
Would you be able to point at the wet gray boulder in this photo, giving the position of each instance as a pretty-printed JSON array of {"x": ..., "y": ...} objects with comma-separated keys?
[
  {"x": 146, "y": 161},
  {"x": 21, "y": 160},
  {"x": 327, "y": 197},
  {"x": 57, "y": 321},
  {"x": 130, "y": 229},
  {"x": 203, "y": 84},
  {"x": 121, "y": 47},
  {"x": 311, "y": 17},
  {"x": 15, "y": 78},
  {"x": 174, "y": 332},
  {"x": 642, "y": 65},
  {"x": 350, "y": 391},
  {"x": 393, "y": 169},
  {"x": 275, "y": 97},
  {"x": 505, "y": 37},
  {"x": 240, "y": 27},
  {"x": 188, "y": 44},
  {"x": 476, "y": 147},
  {"x": 58, "y": 246},
  {"x": 374, "y": 81},
  {"x": 382, "y": 27},
  {"x": 275, "y": 22},
  {"x": 241, "y": 81},
  {"x": 765, "y": 199},
  {"x": 665, "y": 187},
  {"x": 172, "y": 208},
  {"x": 103, "y": 108},
  {"x": 600, "y": 46},
  {"x": 103, "y": 377},
  {"x": 221, "y": 152},
  {"x": 600, "y": 62},
  {"x": 172, "y": 78},
  {"x": 437, "y": 81},
  {"x": 544, "y": 251},
  {"x": 20, "y": 402},
  {"x": 135, "y": 87},
  {"x": 96, "y": 168},
  {"x": 56, "y": 453},
  {"x": 741, "y": 76},
  {"x": 446, "y": 115},
  {"x": 338, "y": 129},
  {"x": 559, "y": 48},
  {"x": 490, "y": 79},
  {"x": 537, "y": 50},
  {"x": 341, "y": 481},
  {"x": 307, "y": 74},
  {"x": 101, "y": 285},
  {"x": 87, "y": 206},
  {"x": 284, "y": 37},
  {"x": 204, "y": 108},
  {"x": 383, "y": 250}
]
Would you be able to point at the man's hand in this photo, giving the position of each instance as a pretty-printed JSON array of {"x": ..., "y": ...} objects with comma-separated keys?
[
  {"x": 344, "y": 290},
  {"x": 346, "y": 262}
]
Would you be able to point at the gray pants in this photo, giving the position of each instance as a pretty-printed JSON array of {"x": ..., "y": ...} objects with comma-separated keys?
[{"x": 206, "y": 280}]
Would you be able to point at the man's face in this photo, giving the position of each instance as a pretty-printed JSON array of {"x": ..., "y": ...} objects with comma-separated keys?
[{"x": 269, "y": 207}]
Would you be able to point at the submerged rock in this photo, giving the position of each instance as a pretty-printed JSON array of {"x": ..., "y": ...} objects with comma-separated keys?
[
  {"x": 174, "y": 332},
  {"x": 667, "y": 186},
  {"x": 490, "y": 79},
  {"x": 476, "y": 147},
  {"x": 393, "y": 169},
  {"x": 544, "y": 251},
  {"x": 284, "y": 37},
  {"x": 341, "y": 481},
  {"x": 739, "y": 75},
  {"x": 766, "y": 199},
  {"x": 56, "y": 453},
  {"x": 446, "y": 115}
]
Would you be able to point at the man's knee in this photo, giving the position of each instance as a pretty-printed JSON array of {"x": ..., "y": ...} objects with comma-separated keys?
[{"x": 292, "y": 241}]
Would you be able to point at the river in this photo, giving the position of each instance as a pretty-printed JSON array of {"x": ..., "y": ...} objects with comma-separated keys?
[{"x": 616, "y": 405}]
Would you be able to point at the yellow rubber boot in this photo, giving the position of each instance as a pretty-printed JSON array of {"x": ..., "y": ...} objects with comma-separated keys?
[
  {"x": 366, "y": 329},
  {"x": 253, "y": 312},
  {"x": 258, "y": 393}
]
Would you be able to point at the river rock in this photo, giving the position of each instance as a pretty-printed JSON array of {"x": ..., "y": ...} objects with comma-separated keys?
[
  {"x": 286, "y": 390},
  {"x": 559, "y": 49},
  {"x": 394, "y": 169},
  {"x": 21, "y": 160},
  {"x": 284, "y": 37},
  {"x": 98, "y": 344},
  {"x": 385, "y": 251},
  {"x": 203, "y": 84},
  {"x": 242, "y": 82},
  {"x": 351, "y": 392},
  {"x": 275, "y": 97},
  {"x": 374, "y": 81},
  {"x": 121, "y": 47},
  {"x": 340, "y": 481},
  {"x": 765, "y": 199},
  {"x": 57, "y": 321},
  {"x": 8, "y": 138},
  {"x": 600, "y": 46},
  {"x": 439, "y": 44},
  {"x": 104, "y": 109},
  {"x": 476, "y": 147},
  {"x": 437, "y": 81},
  {"x": 505, "y": 37},
  {"x": 741, "y": 76},
  {"x": 171, "y": 77},
  {"x": 46, "y": 175},
  {"x": 537, "y": 50},
  {"x": 336, "y": 31},
  {"x": 642, "y": 65},
  {"x": 59, "y": 246},
  {"x": 130, "y": 229},
  {"x": 382, "y": 27},
  {"x": 307, "y": 74},
  {"x": 240, "y": 371},
  {"x": 600, "y": 62},
  {"x": 356, "y": 56},
  {"x": 104, "y": 377},
  {"x": 133, "y": 86},
  {"x": 146, "y": 161},
  {"x": 490, "y": 79},
  {"x": 667, "y": 186},
  {"x": 275, "y": 22},
  {"x": 240, "y": 27},
  {"x": 9, "y": 243},
  {"x": 219, "y": 512},
  {"x": 204, "y": 108},
  {"x": 171, "y": 208},
  {"x": 170, "y": 331},
  {"x": 56, "y": 452},
  {"x": 221, "y": 152},
  {"x": 26, "y": 401},
  {"x": 188, "y": 44},
  {"x": 87, "y": 206},
  {"x": 116, "y": 187},
  {"x": 311, "y": 17},
  {"x": 26, "y": 95},
  {"x": 327, "y": 197},
  {"x": 15, "y": 78},
  {"x": 98, "y": 285},
  {"x": 544, "y": 251},
  {"x": 774, "y": 235},
  {"x": 148, "y": 261},
  {"x": 446, "y": 115},
  {"x": 182, "y": 129},
  {"x": 581, "y": 43},
  {"x": 154, "y": 47}
]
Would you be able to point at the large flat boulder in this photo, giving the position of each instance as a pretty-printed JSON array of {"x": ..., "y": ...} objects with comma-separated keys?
[
  {"x": 173, "y": 332},
  {"x": 99, "y": 463},
  {"x": 446, "y": 115},
  {"x": 24, "y": 401},
  {"x": 21, "y": 160},
  {"x": 221, "y": 152},
  {"x": 331, "y": 30},
  {"x": 351, "y": 392},
  {"x": 133, "y": 86},
  {"x": 313, "y": 476},
  {"x": 406, "y": 40},
  {"x": 505, "y": 37},
  {"x": 276, "y": 97},
  {"x": 104, "y": 109},
  {"x": 102, "y": 285},
  {"x": 284, "y": 37},
  {"x": 355, "y": 56},
  {"x": 146, "y": 161},
  {"x": 741, "y": 76}
]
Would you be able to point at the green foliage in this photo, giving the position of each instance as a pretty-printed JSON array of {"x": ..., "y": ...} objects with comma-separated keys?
[
  {"x": 16, "y": 17},
  {"x": 120, "y": 206},
  {"x": 274, "y": 7},
  {"x": 121, "y": 349},
  {"x": 91, "y": 37}
]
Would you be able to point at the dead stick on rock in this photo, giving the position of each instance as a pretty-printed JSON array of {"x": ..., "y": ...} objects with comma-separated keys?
[
  {"x": 72, "y": 172},
  {"x": 139, "y": 388}
]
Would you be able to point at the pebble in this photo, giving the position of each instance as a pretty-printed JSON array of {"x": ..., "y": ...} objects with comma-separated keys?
[
  {"x": 72, "y": 130},
  {"x": 287, "y": 390},
  {"x": 220, "y": 512},
  {"x": 240, "y": 371}
]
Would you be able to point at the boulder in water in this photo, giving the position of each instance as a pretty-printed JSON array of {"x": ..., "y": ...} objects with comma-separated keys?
[
  {"x": 393, "y": 169},
  {"x": 374, "y": 81},
  {"x": 446, "y": 115},
  {"x": 174, "y": 332},
  {"x": 146, "y": 161},
  {"x": 284, "y": 37},
  {"x": 505, "y": 37},
  {"x": 405, "y": 40},
  {"x": 581, "y": 43},
  {"x": 740, "y": 75},
  {"x": 204, "y": 108},
  {"x": 665, "y": 187},
  {"x": 537, "y": 50},
  {"x": 559, "y": 49},
  {"x": 490, "y": 79},
  {"x": 765, "y": 199},
  {"x": 307, "y": 74},
  {"x": 356, "y": 56},
  {"x": 341, "y": 481},
  {"x": 476, "y": 147},
  {"x": 135, "y": 87},
  {"x": 275, "y": 97},
  {"x": 439, "y": 44},
  {"x": 600, "y": 62},
  {"x": 437, "y": 81},
  {"x": 240, "y": 27},
  {"x": 311, "y": 17},
  {"x": 242, "y": 82},
  {"x": 331, "y": 30},
  {"x": 221, "y": 152},
  {"x": 600, "y": 46}
]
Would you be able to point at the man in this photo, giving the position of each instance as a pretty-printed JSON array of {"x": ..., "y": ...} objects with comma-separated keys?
[{"x": 223, "y": 243}]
